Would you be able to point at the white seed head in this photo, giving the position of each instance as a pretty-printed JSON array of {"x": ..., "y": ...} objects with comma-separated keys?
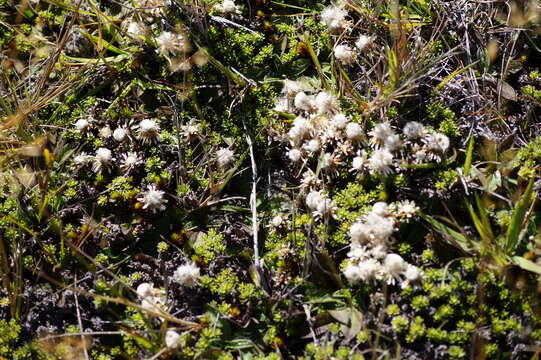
[
  {"x": 304, "y": 102},
  {"x": 381, "y": 208},
  {"x": 105, "y": 132},
  {"x": 381, "y": 161},
  {"x": 144, "y": 290},
  {"x": 363, "y": 42},
  {"x": 394, "y": 264},
  {"x": 381, "y": 132},
  {"x": 414, "y": 130},
  {"x": 153, "y": 199},
  {"x": 103, "y": 156},
  {"x": 334, "y": 17},
  {"x": 345, "y": 54},
  {"x": 339, "y": 120},
  {"x": 186, "y": 274},
  {"x": 325, "y": 102},
  {"x": 82, "y": 124},
  {"x": 313, "y": 199},
  {"x": 294, "y": 155},
  {"x": 119, "y": 134},
  {"x": 354, "y": 131},
  {"x": 313, "y": 145},
  {"x": 172, "y": 339},
  {"x": 224, "y": 157},
  {"x": 437, "y": 143}
]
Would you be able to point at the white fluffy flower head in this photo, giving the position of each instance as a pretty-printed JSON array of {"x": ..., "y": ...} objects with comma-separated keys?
[
  {"x": 172, "y": 339},
  {"x": 186, "y": 274},
  {"x": 102, "y": 158},
  {"x": 224, "y": 157},
  {"x": 148, "y": 129},
  {"x": 153, "y": 199},
  {"x": 120, "y": 133},
  {"x": 381, "y": 132},
  {"x": 363, "y": 41},
  {"x": 334, "y": 17},
  {"x": 354, "y": 131},
  {"x": 82, "y": 125},
  {"x": 381, "y": 161},
  {"x": 345, "y": 54}
]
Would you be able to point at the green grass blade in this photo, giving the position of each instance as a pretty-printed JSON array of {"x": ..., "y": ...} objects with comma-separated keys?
[
  {"x": 451, "y": 236},
  {"x": 469, "y": 156},
  {"x": 513, "y": 231}
]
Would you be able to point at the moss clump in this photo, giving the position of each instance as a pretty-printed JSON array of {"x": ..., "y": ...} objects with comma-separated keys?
[{"x": 208, "y": 246}]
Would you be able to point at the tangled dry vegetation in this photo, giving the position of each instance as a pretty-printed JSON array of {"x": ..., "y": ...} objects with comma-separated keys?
[{"x": 258, "y": 179}]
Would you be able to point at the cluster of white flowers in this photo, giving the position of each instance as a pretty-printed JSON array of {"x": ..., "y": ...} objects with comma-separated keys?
[
  {"x": 186, "y": 275},
  {"x": 369, "y": 257},
  {"x": 153, "y": 199},
  {"x": 152, "y": 299}
]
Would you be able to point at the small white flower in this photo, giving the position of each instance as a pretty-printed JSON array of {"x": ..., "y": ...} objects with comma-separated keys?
[
  {"x": 381, "y": 161},
  {"x": 82, "y": 159},
  {"x": 326, "y": 207},
  {"x": 153, "y": 199},
  {"x": 406, "y": 208},
  {"x": 102, "y": 158},
  {"x": 437, "y": 143},
  {"x": 228, "y": 7},
  {"x": 224, "y": 157},
  {"x": 137, "y": 29},
  {"x": 313, "y": 199},
  {"x": 277, "y": 221},
  {"x": 339, "y": 120},
  {"x": 148, "y": 129},
  {"x": 120, "y": 134},
  {"x": 360, "y": 162},
  {"x": 172, "y": 43},
  {"x": 294, "y": 155},
  {"x": 291, "y": 88},
  {"x": 394, "y": 264},
  {"x": 105, "y": 132},
  {"x": 334, "y": 17},
  {"x": 325, "y": 102},
  {"x": 358, "y": 252},
  {"x": 144, "y": 290},
  {"x": 353, "y": 274},
  {"x": 381, "y": 209},
  {"x": 313, "y": 145},
  {"x": 304, "y": 102},
  {"x": 172, "y": 339},
  {"x": 363, "y": 42},
  {"x": 414, "y": 130},
  {"x": 381, "y": 132},
  {"x": 129, "y": 160},
  {"x": 345, "y": 54},
  {"x": 186, "y": 274},
  {"x": 359, "y": 232},
  {"x": 354, "y": 131},
  {"x": 392, "y": 142},
  {"x": 82, "y": 125}
]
